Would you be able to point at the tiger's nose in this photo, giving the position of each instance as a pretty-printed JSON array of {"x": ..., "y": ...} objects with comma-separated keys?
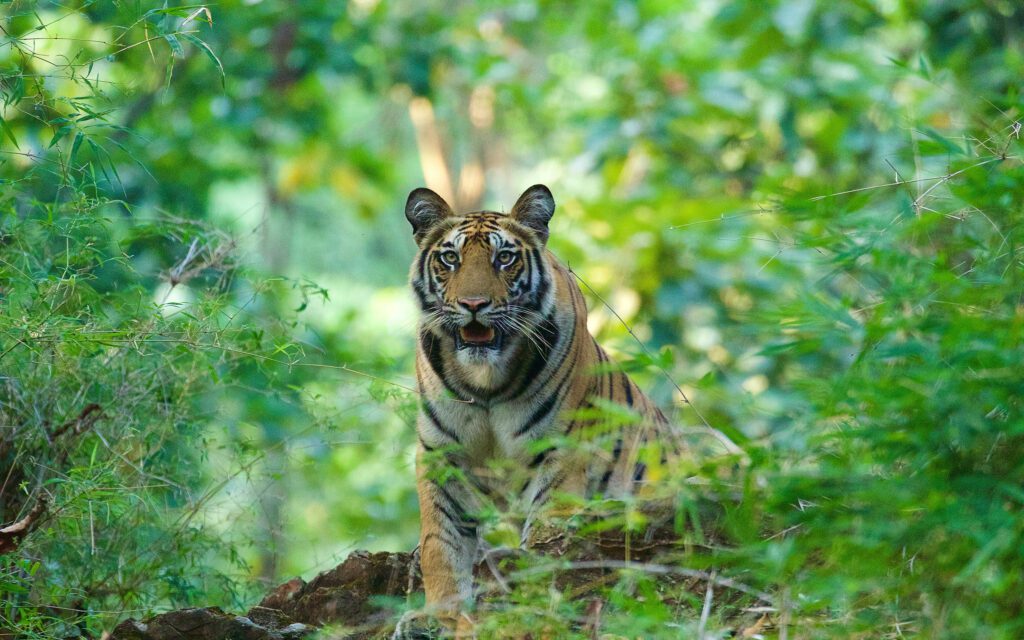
[{"x": 474, "y": 304}]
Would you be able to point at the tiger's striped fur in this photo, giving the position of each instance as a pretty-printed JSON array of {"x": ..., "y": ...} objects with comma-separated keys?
[{"x": 490, "y": 402}]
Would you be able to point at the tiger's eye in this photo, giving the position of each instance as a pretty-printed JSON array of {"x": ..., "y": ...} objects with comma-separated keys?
[
  {"x": 450, "y": 258},
  {"x": 506, "y": 258}
]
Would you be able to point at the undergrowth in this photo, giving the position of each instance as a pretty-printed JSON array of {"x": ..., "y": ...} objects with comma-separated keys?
[{"x": 884, "y": 501}]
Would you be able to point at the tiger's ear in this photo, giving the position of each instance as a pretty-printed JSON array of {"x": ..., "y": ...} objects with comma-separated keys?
[
  {"x": 423, "y": 210},
  {"x": 534, "y": 208}
]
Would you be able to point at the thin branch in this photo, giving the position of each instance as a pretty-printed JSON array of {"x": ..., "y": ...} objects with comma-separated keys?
[
  {"x": 83, "y": 422},
  {"x": 897, "y": 183},
  {"x": 946, "y": 178},
  {"x": 657, "y": 569},
  {"x": 11, "y": 536},
  {"x": 723, "y": 217},
  {"x": 705, "y": 611}
]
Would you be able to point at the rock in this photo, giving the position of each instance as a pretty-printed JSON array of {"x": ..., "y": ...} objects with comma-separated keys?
[
  {"x": 204, "y": 624},
  {"x": 347, "y": 595},
  {"x": 269, "y": 617},
  {"x": 350, "y": 594},
  {"x": 354, "y": 597},
  {"x": 283, "y": 594}
]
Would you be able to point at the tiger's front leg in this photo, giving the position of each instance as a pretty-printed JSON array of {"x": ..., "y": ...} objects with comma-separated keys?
[{"x": 448, "y": 542}]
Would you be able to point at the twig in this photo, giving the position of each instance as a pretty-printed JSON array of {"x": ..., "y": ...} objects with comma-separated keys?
[
  {"x": 85, "y": 420},
  {"x": 705, "y": 611},
  {"x": 175, "y": 276},
  {"x": 782, "y": 534},
  {"x": 502, "y": 582},
  {"x": 784, "y": 616},
  {"x": 659, "y": 569},
  {"x": 723, "y": 218},
  {"x": 949, "y": 176},
  {"x": 894, "y": 183}
]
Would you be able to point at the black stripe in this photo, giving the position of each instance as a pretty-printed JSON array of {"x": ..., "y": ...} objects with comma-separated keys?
[
  {"x": 627, "y": 386},
  {"x": 555, "y": 480},
  {"x": 540, "y": 457},
  {"x": 606, "y": 478},
  {"x": 421, "y": 296},
  {"x": 460, "y": 511},
  {"x": 639, "y": 471},
  {"x": 547, "y": 405},
  {"x": 474, "y": 480},
  {"x": 617, "y": 451},
  {"x": 422, "y": 262},
  {"x": 432, "y": 288},
  {"x": 431, "y": 348},
  {"x": 450, "y": 457},
  {"x": 550, "y": 334},
  {"x": 428, "y": 409},
  {"x": 465, "y": 530},
  {"x": 575, "y": 422},
  {"x": 602, "y": 360},
  {"x": 542, "y": 411},
  {"x": 677, "y": 447},
  {"x": 444, "y": 540},
  {"x": 568, "y": 344},
  {"x": 418, "y": 287},
  {"x": 435, "y": 233},
  {"x": 544, "y": 284},
  {"x": 533, "y": 369},
  {"x": 530, "y": 266}
]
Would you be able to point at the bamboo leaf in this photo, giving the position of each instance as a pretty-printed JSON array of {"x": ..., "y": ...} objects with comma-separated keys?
[
  {"x": 205, "y": 48},
  {"x": 8, "y": 132},
  {"x": 75, "y": 146}
]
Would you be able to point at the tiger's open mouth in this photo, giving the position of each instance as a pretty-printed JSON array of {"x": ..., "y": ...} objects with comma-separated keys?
[{"x": 475, "y": 334}]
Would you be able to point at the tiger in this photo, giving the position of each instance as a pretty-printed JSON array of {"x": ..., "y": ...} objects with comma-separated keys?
[{"x": 505, "y": 365}]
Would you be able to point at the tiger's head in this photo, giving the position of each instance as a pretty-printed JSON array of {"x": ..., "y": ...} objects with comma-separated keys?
[{"x": 481, "y": 278}]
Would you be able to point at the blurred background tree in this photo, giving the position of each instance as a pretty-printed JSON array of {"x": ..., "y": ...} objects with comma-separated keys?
[{"x": 810, "y": 212}]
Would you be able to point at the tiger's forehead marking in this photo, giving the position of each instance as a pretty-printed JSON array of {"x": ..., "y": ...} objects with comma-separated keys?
[
  {"x": 480, "y": 223},
  {"x": 482, "y": 227}
]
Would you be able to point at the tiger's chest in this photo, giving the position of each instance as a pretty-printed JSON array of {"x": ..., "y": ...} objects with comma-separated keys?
[{"x": 501, "y": 433}]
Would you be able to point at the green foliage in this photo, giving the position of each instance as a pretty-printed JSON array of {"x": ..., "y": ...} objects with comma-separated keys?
[{"x": 809, "y": 212}]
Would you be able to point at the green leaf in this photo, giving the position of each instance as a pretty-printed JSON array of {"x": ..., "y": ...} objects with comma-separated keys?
[
  {"x": 11, "y": 587},
  {"x": 75, "y": 145},
  {"x": 8, "y": 132},
  {"x": 169, "y": 73},
  {"x": 176, "y": 49},
  {"x": 209, "y": 54},
  {"x": 923, "y": 66},
  {"x": 944, "y": 142},
  {"x": 63, "y": 131},
  {"x": 183, "y": 11}
]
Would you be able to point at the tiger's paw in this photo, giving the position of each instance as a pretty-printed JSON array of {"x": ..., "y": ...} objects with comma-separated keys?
[
  {"x": 420, "y": 625},
  {"x": 417, "y": 625}
]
